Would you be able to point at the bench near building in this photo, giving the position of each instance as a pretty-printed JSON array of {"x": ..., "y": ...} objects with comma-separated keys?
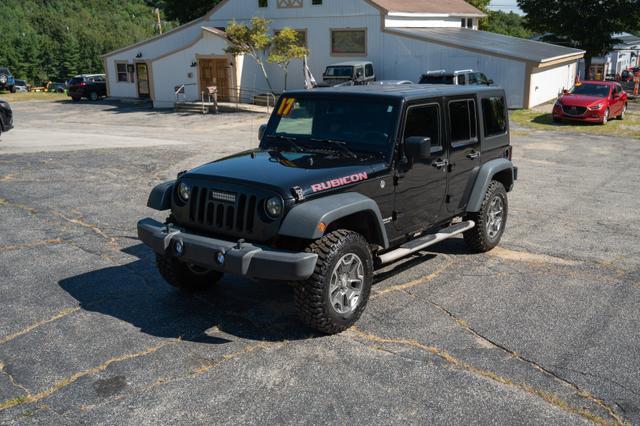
[{"x": 403, "y": 38}]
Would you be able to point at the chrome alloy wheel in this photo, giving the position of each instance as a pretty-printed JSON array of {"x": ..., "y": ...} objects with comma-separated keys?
[
  {"x": 347, "y": 282},
  {"x": 495, "y": 217}
]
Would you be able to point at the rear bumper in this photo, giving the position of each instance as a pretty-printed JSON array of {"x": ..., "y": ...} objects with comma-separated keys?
[{"x": 238, "y": 258}]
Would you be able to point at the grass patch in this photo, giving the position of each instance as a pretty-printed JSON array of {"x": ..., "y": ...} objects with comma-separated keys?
[
  {"x": 536, "y": 120},
  {"x": 32, "y": 96}
]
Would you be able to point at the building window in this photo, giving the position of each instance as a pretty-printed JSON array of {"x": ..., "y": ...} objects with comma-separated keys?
[
  {"x": 349, "y": 42},
  {"x": 467, "y": 23},
  {"x": 316, "y": 2},
  {"x": 263, "y": 3},
  {"x": 286, "y": 4},
  {"x": 494, "y": 111},
  {"x": 123, "y": 75}
]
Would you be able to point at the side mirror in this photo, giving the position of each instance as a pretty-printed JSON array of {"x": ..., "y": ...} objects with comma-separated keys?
[
  {"x": 417, "y": 147},
  {"x": 261, "y": 131},
  {"x": 490, "y": 82}
]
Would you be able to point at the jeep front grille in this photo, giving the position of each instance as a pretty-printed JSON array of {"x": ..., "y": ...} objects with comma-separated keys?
[
  {"x": 574, "y": 110},
  {"x": 222, "y": 211}
]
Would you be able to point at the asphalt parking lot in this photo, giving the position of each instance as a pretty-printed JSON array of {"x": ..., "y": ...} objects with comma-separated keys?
[{"x": 545, "y": 329}]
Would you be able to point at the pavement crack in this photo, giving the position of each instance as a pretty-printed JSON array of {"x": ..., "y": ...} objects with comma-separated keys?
[
  {"x": 111, "y": 241},
  {"x": 56, "y": 317},
  {"x": 12, "y": 379},
  {"x": 455, "y": 362},
  {"x": 417, "y": 282},
  {"x": 536, "y": 365},
  {"x": 62, "y": 383},
  {"x": 31, "y": 244}
]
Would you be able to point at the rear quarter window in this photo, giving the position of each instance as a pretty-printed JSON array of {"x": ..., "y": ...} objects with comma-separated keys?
[{"x": 494, "y": 111}]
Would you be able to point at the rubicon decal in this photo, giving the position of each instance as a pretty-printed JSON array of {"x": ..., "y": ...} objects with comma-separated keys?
[{"x": 337, "y": 183}]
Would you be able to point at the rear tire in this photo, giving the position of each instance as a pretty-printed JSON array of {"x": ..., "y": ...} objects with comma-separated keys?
[
  {"x": 75, "y": 99},
  {"x": 189, "y": 278},
  {"x": 13, "y": 89},
  {"x": 491, "y": 220},
  {"x": 335, "y": 296}
]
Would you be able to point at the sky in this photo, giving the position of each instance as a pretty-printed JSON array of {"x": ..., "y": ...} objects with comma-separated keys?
[{"x": 506, "y": 5}]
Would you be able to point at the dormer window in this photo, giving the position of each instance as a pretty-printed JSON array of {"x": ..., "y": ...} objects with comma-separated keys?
[
  {"x": 263, "y": 3},
  {"x": 467, "y": 23},
  {"x": 286, "y": 4}
]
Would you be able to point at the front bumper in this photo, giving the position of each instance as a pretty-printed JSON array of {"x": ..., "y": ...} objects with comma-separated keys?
[
  {"x": 595, "y": 116},
  {"x": 239, "y": 258}
]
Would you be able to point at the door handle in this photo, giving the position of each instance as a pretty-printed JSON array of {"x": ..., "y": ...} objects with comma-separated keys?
[
  {"x": 473, "y": 155},
  {"x": 440, "y": 164}
]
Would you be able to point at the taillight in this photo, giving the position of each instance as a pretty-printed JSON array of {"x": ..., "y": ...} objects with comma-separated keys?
[{"x": 82, "y": 84}]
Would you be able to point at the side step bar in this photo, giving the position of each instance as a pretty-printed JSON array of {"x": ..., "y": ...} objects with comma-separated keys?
[{"x": 424, "y": 242}]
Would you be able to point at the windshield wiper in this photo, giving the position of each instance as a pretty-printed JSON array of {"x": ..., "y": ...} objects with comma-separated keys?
[
  {"x": 339, "y": 144},
  {"x": 289, "y": 139}
]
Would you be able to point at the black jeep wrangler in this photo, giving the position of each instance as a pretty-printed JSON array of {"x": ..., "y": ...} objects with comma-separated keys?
[{"x": 344, "y": 181}]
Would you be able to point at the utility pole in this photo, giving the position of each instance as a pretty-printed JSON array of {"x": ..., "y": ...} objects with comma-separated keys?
[{"x": 159, "y": 21}]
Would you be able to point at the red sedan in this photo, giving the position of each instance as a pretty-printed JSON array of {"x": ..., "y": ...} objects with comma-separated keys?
[{"x": 593, "y": 102}]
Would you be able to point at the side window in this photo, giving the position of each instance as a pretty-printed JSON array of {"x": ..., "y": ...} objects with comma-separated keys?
[
  {"x": 473, "y": 78},
  {"x": 494, "y": 111},
  {"x": 369, "y": 70},
  {"x": 359, "y": 72},
  {"x": 424, "y": 121},
  {"x": 462, "y": 79},
  {"x": 463, "y": 121}
]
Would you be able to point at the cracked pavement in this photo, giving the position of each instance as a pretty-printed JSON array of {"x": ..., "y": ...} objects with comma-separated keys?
[{"x": 543, "y": 329}]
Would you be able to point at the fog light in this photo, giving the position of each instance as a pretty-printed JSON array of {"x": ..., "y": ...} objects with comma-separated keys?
[
  {"x": 220, "y": 258},
  {"x": 179, "y": 248}
]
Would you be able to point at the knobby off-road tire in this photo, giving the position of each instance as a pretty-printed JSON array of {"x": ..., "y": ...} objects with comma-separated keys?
[
  {"x": 184, "y": 277},
  {"x": 315, "y": 297},
  {"x": 486, "y": 236}
]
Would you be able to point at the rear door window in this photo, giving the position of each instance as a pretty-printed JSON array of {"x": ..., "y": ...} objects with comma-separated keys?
[
  {"x": 369, "y": 70},
  {"x": 494, "y": 111},
  {"x": 463, "y": 121}
]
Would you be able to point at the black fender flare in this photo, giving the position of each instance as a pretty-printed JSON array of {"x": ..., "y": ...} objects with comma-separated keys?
[
  {"x": 484, "y": 178},
  {"x": 160, "y": 197},
  {"x": 303, "y": 220}
]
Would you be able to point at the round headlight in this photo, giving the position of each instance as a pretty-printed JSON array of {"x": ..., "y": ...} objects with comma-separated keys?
[
  {"x": 184, "y": 191},
  {"x": 274, "y": 207}
]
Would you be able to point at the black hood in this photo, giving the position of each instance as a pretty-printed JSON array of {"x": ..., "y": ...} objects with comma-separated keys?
[{"x": 282, "y": 171}]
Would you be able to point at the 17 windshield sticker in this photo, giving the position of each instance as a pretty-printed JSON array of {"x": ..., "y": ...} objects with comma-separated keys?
[{"x": 286, "y": 106}]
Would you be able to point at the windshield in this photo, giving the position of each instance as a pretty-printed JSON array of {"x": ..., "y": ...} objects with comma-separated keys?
[
  {"x": 599, "y": 90},
  {"x": 346, "y": 71},
  {"x": 436, "y": 79},
  {"x": 365, "y": 125}
]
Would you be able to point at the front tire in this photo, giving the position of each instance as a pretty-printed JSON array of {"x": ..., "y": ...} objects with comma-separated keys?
[
  {"x": 190, "y": 278},
  {"x": 335, "y": 296},
  {"x": 605, "y": 119},
  {"x": 490, "y": 221},
  {"x": 75, "y": 99},
  {"x": 623, "y": 113},
  {"x": 13, "y": 89}
]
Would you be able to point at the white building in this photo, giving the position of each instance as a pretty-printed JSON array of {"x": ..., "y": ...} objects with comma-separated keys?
[{"x": 403, "y": 38}]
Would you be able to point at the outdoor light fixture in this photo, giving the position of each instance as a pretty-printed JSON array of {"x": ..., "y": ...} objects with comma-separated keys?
[
  {"x": 139, "y": 55},
  {"x": 194, "y": 64}
]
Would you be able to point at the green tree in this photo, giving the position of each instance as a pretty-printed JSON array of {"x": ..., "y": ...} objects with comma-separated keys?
[
  {"x": 510, "y": 24},
  {"x": 184, "y": 11},
  {"x": 251, "y": 40},
  {"x": 481, "y": 5},
  {"x": 287, "y": 46},
  {"x": 587, "y": 24}
]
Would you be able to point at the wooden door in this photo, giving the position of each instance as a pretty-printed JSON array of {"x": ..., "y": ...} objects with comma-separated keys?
[
  {"x": 142, "y": 73},
  {"x": 215, "y": 72}
]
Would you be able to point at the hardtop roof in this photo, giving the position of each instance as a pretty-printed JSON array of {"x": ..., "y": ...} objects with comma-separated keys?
[{"x": 406, "y": 91}]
